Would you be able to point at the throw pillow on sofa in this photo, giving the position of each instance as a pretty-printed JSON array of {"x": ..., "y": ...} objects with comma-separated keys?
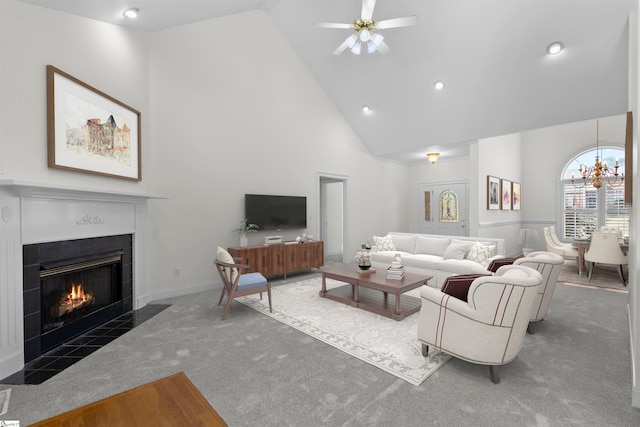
[
  {"x": 457, "y": 251},
  {"x": 458, "y": 286},
  {"x": 384, "y": 243},
  {"x": 480, "y": 252},
  {"x": 497, "y": 263}
]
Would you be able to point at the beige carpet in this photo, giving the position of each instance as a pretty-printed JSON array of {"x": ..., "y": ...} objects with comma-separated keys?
[{"x": 382, "y": 342}]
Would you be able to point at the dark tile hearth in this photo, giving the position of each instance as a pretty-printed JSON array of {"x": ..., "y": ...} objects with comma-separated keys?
[{"x": 52, "y": 363}]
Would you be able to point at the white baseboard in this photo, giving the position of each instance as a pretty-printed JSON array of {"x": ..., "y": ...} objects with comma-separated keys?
[
  {"x": 635, "y": 397},
  {"x": 635, "y": 391},
  {"x": 143, "y": 300}
]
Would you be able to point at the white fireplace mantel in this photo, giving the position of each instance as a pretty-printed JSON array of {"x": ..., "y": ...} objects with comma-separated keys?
[
  {"x": 37, "y": 213},
  {"x": 32, "y": 190}
]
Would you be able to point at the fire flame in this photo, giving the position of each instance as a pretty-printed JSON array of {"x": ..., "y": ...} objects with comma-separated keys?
[{"x": 77, "y": 293}]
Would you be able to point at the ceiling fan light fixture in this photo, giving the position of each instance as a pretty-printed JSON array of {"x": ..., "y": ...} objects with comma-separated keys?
[
  {"x": 131, "y": 13},
  {"x": 433, "y": 157},
  {"x": 351, "y": 41},
  {"x": 366, "y": 108},
  {"x": 356, "y": 48},
  {"x": 555, "y": 48},
  {"x": 438, "y": 85},
  {"x": 364, "y": 35},
  {"x": 371, "y": 47},
  {"x": 377, "y": 39}
]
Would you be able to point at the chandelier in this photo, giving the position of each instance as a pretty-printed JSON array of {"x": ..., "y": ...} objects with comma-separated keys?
[{"x": 597, "y": 174}]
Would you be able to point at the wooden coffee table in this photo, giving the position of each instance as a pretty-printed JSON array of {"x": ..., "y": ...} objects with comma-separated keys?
[{"x": 372, "y": 291}]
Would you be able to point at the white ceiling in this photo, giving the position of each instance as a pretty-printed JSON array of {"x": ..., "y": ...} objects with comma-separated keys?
[{"x": 490, "y": 54}]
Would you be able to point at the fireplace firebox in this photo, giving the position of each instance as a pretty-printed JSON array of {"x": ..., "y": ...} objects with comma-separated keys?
[{"x": 71, "y": 287}]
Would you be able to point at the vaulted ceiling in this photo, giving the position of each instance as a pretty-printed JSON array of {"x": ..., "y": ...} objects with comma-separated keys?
[{"x": 491, "y": 55}]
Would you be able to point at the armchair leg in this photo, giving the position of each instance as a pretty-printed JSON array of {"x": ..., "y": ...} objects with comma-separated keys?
[
  {"x": 269, "y": 297},
  {"x": 530, "y": 329},
  {"x": 495, "y": 374},
  {"x": 590, "y": 269},
  {"x": 425, "y": 350}
]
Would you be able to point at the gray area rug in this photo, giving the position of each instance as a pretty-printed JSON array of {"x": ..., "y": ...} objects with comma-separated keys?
[
  {"x": 256, "y": 371},
  {"x": 382, "y": 342}
]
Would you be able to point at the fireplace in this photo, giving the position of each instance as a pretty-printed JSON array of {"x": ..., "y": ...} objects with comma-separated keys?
[{"x": 73, "y": 286}]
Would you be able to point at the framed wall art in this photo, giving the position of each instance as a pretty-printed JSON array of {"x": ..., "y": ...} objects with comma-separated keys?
[
  {"x": 505, "y": 201},
  {"x": 89, "y": 131},
  {"x": 493, "y": 192},
  {"x": 516, "y": 197}
]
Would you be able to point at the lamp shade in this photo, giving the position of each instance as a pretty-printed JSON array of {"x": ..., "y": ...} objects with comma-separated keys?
[{"x": 529, "y": 239}]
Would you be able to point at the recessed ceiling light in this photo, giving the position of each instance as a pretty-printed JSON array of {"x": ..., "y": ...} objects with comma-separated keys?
[
  {"x": 439, "y": 85},
  {"x": 555, "y": 48},
  {"x": 132, "y": 12},
  {"x": 366, "y": 108}
]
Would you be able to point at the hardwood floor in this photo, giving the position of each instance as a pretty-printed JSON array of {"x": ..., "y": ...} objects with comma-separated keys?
[{"x": 170, "y": 401}]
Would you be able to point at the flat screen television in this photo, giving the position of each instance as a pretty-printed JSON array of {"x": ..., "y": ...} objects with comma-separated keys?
[{"x": 276, "y": 212}]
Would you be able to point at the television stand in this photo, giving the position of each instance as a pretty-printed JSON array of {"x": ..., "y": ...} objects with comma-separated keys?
[{"x": 281, "y": 259}]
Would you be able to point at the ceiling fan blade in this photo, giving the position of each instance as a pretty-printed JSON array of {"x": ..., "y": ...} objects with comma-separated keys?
[
  {"x": 367, "y": 9},
  {"x": 346, "y": 44},
  {"x": 397, "y": 22},
  {"x": 334, "y": 25},
  {"x": 383, "y": 48}
]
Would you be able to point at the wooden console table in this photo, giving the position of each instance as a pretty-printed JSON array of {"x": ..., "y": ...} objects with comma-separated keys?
[
  {"x": 170, "y": 401},
  {"x": 281, "y": 259}
]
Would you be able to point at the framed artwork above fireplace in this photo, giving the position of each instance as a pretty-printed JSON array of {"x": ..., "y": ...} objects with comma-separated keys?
[{"x": 90, "y": 131}]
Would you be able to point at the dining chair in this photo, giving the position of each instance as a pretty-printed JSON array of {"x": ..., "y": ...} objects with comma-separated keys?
[
  {"x": 235, "y": 283},
  {"x": 605, "y": 249},
  {"x": 553, "y": 244}
]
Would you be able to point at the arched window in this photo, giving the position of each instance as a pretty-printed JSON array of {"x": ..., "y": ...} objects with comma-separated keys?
[
  {"x": 448, "y": 206},
  {"x": 586, "y": 208}
]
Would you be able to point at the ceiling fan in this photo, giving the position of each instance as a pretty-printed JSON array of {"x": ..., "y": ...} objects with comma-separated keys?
[{"x": 365, "y": 27}]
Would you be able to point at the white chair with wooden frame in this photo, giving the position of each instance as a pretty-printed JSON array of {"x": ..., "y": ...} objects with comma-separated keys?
[{"x": 235, "y": 283}]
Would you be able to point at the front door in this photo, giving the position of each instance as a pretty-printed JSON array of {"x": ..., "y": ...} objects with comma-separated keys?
[{"x": 443, "y": 209}]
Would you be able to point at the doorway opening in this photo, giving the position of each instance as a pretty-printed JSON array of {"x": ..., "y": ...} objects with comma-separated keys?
[{"x": 332, "y": 208}]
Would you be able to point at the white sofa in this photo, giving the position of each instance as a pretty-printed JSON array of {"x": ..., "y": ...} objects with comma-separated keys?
[{"x": 437, "y": 255}]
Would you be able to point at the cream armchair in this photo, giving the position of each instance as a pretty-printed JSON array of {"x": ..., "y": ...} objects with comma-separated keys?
[
  {"x": 488, "y": 329},
  {"x": 549, "y": 266}
]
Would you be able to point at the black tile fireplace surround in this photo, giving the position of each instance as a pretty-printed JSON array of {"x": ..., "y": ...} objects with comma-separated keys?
[{"x": 40, "y": 257}]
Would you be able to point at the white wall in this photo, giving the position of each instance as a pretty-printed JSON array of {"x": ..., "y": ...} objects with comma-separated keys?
[
  {"x": 219, "y": 120},
  {"x": 499, "y": 157},
  {"x": 634, "y": 264},
  {"x": 247, "y": 117},
  {"x": 109, "y": 58}
]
